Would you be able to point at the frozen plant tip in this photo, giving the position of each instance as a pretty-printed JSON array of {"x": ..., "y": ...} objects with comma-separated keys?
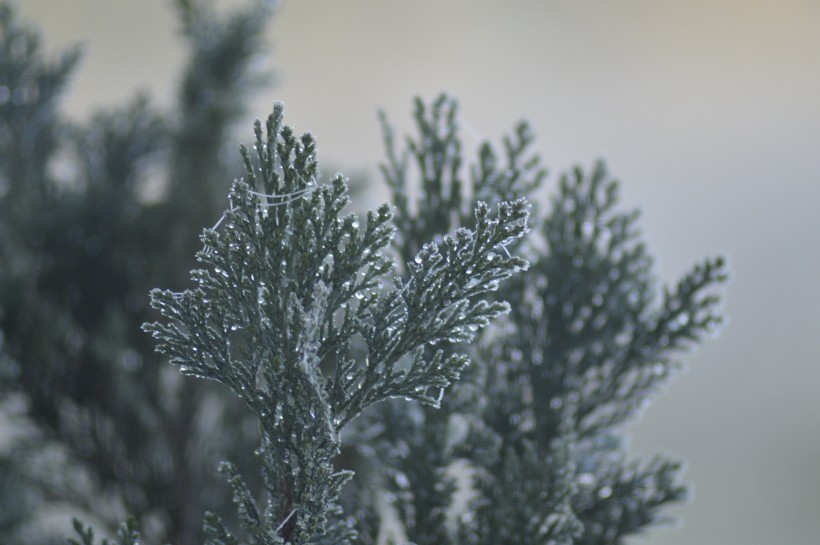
[{"x": 298, "y": 311}]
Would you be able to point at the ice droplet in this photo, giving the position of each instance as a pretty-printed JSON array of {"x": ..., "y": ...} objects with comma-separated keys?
[{"x": 605, "y": 492}]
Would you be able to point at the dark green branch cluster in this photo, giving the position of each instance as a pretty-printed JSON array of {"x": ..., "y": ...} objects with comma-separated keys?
[
  {"x": 292, "y": 284},
  {"x": 92, "y": 216},
  {"x": 127, "y": 534},
  {"x": 536, "y": 422},
  {"x": 333, "y": 360},
  {"x": 436, "y": 156}
]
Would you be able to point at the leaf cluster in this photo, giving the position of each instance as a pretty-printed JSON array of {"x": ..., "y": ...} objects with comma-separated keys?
[
  {"x": 291, "y": 284},
  {"x": 92, "y": 216},
  {"x": 537, "y": 424},
  {"x": 337, "y": 336}
]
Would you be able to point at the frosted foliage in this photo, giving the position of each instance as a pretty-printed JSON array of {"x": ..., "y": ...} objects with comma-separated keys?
[
  {"x": 298, "y": 309},
  {"x": 290, "y": 283}
]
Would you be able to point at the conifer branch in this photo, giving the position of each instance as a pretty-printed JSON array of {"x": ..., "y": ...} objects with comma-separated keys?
[
  {"x": 585, "y": 346},
  {"x": 299, "y": 309},
  {"x": 127, "y": 534},
  {"x": 290, "y": 283}
]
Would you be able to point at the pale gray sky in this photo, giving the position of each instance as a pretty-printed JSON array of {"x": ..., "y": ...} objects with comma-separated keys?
[{"x": 707, "y": 111}]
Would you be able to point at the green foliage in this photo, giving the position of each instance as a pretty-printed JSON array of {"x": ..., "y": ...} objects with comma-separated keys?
[
  {"x": 537, "y": 423},
  {"x": 79, "y": 249},
  {"x": 476, "y": 379},
  {"x": 436, "y": 156},
  {"x": 212, "y": 96},
  {"x": 593, "y": 345},
  {"x": 291, "y": 285},
  {"x": 126, "y": 534}
]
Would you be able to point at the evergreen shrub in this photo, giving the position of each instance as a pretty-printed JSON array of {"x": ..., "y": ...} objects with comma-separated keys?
[{"x": 455, "y": 366}]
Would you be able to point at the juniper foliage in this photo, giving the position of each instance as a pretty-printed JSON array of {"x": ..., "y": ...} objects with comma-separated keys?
[
  {"x": 291, "y": 285},
  {"x": 127, "y": 534},
  {"x": 537, "y": 424},
  {"x": 319, "y": 323},
  {"x": 108, "y": 429}
]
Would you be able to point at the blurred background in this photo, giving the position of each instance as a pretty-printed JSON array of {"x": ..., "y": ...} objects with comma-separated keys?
[{"x": 708, "y": 112}]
